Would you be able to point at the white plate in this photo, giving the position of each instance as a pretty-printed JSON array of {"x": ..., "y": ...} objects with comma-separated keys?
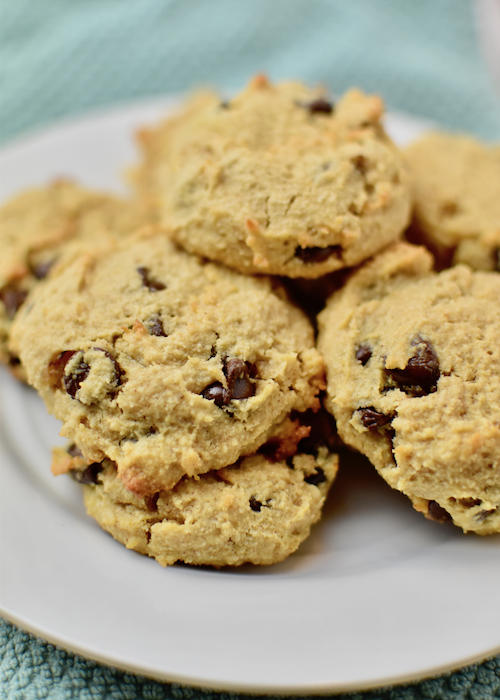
[{"x": 377, "y": 595}]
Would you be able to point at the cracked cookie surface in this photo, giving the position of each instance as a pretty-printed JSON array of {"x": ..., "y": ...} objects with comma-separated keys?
[
  {"x": 413, "y": 372},
  {"x": 256, "y": 511},
  {"x": 164, "y": 363},
  {"x": 278, "y": 180},
  {"x": 44, "y": 228},
  {"x": 455, "y": 186}
]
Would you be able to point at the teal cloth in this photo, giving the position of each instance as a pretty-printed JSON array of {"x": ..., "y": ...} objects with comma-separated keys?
[
  {"x": 60, "y": 58},
  {"x": 32, "y": 669}
]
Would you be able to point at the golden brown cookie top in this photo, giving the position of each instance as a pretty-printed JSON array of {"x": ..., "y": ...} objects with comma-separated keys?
[
  {"x": 41, "y": 229},
  {"x": 256, "y": 511},
  {"x": 413, "y": 371},
  {"x": 163, "y": 362},
  {"x": 277, "y": 180},
  {"x": 455, "y": 186},
  {"x": 37, "y": 225}
]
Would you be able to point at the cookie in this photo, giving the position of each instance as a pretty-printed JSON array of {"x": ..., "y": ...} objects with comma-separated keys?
[
  {"x": 165, "y": 363},
  {"x": 455, "y": 186},
  {"x": 413, "y": 371},
  {"x": 258, "y": 510},
  {"x": 278, "y": 180},
  {"x": 42, "y": 228}
]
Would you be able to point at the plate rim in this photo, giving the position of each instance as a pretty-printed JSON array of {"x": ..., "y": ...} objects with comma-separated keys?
[
  {"x": 316, "y": 689},
  {"x": 82, "y": 119}
]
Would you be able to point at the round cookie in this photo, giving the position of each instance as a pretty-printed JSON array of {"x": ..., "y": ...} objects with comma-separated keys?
[
  {"x": 278, "y": 180},
  {"x": 413, "y": 371},
  {"x": 455, "y": 188},
  {"x": 258, "y": 510},
  {"x": 164, "y": 363},
  {"x": 41, "y": 229}
]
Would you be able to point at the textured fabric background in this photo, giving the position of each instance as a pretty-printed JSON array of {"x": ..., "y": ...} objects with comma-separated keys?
[
  {"x": 59, "y": 58},
  {"x": 31, "y": 670}
]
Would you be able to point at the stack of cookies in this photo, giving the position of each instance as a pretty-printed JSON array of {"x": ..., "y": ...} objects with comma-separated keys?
[{"x": 162, "y": 332}]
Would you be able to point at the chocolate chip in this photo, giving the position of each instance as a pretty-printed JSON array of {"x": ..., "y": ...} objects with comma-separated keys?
[
  {"x": 373, "y": 419},
  {"x": 239, "y": 385},
  {"x": 317, "y": 478},
  {"x": 437, "y": 513},
  {"x": 255, "y": 504},
  {"x": 316, "y": 254},
  {"x": 56, "y": 367},
  {"x": 216, "y": 393},
  {"x": 151, "y": 501},
  {"x": 361, "y": 164},
  {"x": 225, "y": 105},
  {"x": 41, "y": 270},
  {"x": 119, "y": 372},
  {"x": 363, "y": 353},
  {"x": 483, "y": 514},
  {"x": 147, "y": 281},
  {"x": 243, "y": 388},
  {"x": 238, "y": 382},
  {"x": 233, "y": 368},
  {"x": 238, "y": 375},
  {"x": 88, "y": 475},
  {"x": 421, "y": 374},
  {"x": 320, "y": 105},
  {"x": 469, "y": 502},
  {"x": 13, "y": 361},
  {"x": 12, "y": 299},
  {"x": 156, "y": 328},
  {"x": 73, "y": 380},
  {"x": 74, "y": 451},
  {"x": 496, "y": 257}
]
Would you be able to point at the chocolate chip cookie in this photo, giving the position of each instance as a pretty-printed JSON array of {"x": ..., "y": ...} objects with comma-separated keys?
[
  {"x": 258, "y": 510},
  {"x": 42, "y": 228},
  {"x": 277, "y": 180},
  {"x": 413, "y": 370},
  {"x": 165, "y": 363},
  {"x": 456, "y": 185}
]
